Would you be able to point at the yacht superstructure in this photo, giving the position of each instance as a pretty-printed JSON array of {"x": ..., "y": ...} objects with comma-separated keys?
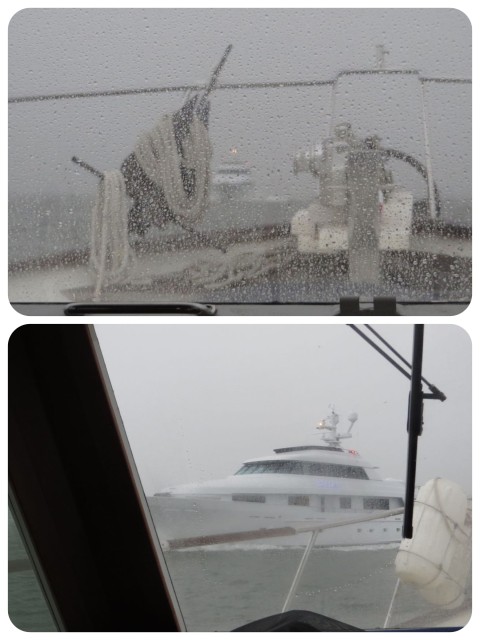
[
  {"x": 232, "y": 179},
  {"x": 297, "y": 486}
]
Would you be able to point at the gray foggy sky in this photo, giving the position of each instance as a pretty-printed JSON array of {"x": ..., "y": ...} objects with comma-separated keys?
[
  {"x": 62, "y": 50},
  {"x": 198, "y": 400}
]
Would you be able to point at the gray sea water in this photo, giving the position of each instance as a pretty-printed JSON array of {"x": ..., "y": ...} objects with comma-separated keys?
[
  {"x": 27, "y": 607},
  {"x": 222, "y": 589}
]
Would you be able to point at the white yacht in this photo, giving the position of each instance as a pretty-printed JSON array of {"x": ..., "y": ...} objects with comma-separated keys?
[
  {"x": 281, "y": 498},
  {"x": 232, "y": 179}
]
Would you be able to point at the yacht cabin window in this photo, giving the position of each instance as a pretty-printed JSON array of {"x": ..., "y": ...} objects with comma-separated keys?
[
  {"x": 306, "y": 468},
  {"x": 299, "y": 501},
  {"x": 376, "y": 503},
  {"x": 248, "y": 497}
]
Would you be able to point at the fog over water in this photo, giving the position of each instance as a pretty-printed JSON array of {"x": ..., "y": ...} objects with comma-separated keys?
[
  {"x": 80, "y": 50},
  {"x": 197, "y": 401}
]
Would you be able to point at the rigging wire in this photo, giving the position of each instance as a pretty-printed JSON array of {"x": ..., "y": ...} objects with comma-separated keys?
[
  {"x": 235, "y": 85},
  {"x": 182, "y": 88},
  {"x": 431, "y": 386},
  {"x": 379, "y": 349},
  {"x": 436, "y": 394}
]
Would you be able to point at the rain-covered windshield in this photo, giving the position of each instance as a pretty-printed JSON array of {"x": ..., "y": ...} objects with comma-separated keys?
[
  {"x": 321, "y": 418},
  {"x": 239, "y": 155}
]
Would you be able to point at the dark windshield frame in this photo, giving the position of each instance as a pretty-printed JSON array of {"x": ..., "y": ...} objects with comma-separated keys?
[{"x": 74, "y": 489}]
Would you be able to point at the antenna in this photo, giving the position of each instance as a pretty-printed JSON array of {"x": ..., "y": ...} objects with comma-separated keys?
[
  {"x": 380, "y": 53},
  {"x": 352, "y": 418},
  {"x": 329, "y": 426}
]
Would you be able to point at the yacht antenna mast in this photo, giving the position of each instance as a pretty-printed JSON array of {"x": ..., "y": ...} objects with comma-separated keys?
[
  {"x": 381, "y": 52},
  {"x": 330, "y": 423}
]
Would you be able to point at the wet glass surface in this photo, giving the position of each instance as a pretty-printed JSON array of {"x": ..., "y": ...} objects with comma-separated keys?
[{"x": 309, "y": 182}]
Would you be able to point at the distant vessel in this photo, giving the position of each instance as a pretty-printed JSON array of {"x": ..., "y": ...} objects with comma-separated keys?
[
  {"x": 232, "y": 179},
  {"x": 274, "y": 499}
]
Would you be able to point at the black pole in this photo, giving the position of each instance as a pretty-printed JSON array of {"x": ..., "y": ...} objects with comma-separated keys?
[
  {"x": 216, "y": 72},
  {"x": 88, "y": 167},
  {"x": 414, "y": 427}
]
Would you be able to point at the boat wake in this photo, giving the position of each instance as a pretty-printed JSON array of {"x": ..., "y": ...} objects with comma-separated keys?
[
  {"x": 387, "y": 546},
  {"x": 245, "y": 546}
]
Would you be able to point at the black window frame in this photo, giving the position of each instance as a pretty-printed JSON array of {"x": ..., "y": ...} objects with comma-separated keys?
[{"x": 74, "y": 490}]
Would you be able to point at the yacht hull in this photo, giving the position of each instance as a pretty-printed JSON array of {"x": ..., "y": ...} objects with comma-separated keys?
[{"x": 184, "y": 522}]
